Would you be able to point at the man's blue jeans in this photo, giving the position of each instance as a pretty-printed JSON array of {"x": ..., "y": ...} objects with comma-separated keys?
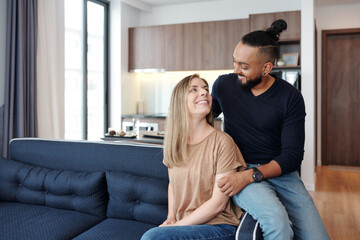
[
  {"x": 282, "y": 206},
  {"x": 219, "y": 232}
]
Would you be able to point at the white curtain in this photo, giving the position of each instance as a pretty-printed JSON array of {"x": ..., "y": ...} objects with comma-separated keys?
[{"x": 50, "y": 69}]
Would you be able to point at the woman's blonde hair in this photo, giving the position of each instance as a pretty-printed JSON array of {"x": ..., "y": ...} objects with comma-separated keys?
[{"x": 177, "y": 123}]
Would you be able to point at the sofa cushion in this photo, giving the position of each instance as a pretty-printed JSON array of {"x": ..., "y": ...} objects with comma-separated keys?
[
  {"x": 33, "y": 222},
  {"x": 78, "y": 191},
  {"x": 116, "y": 229},
  {"x": 138, "y": 198}
]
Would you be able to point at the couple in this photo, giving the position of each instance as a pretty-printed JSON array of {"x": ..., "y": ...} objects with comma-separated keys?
[{"x": 265, "y": 117}]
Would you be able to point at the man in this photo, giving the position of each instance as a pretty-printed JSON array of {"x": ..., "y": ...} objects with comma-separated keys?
[{"x": 265, "y": 115}]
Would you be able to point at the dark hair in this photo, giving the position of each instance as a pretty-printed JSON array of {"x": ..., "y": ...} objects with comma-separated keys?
[{"x": 267, "y": 40}]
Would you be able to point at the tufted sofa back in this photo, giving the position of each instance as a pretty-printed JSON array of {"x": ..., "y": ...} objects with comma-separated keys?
[{"x": 59, "y": 173}]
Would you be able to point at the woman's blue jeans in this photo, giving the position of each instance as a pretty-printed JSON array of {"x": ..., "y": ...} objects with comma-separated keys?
[
  {"x": 192, "y": 232},
  {"x": 283, "y": 207}
]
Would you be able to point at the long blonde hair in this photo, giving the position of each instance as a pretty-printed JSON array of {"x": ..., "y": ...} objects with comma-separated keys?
[{"x": 177, "y": 123}]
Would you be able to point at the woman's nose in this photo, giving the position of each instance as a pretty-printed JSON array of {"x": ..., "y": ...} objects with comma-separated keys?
[{"x": 204, "y": 92}]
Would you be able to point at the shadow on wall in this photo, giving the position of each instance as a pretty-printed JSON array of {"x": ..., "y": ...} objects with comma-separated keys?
[{"x": 1, "y": 129}]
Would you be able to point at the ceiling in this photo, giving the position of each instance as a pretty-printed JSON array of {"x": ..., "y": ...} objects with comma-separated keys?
[{"x": 157, "y": 3}]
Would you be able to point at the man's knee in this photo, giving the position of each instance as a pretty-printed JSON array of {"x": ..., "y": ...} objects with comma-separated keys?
[
  {"x": 276, "y": 225},
  {"x": 151, "y": 234}
]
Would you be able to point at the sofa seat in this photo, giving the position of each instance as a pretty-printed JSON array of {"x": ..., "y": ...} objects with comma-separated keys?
[
  {"x": 118, "y": 229},
  {"x": 27, "y": 221}
]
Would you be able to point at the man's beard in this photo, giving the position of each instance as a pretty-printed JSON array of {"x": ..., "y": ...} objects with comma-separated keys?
[{"x": 250, "y": 83}]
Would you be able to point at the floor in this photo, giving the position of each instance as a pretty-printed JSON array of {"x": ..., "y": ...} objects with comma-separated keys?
[{"x": 337, "y": 197}]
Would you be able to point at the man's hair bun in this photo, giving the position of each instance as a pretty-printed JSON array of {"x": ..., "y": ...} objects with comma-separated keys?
[{"x": 276, "y": 28}]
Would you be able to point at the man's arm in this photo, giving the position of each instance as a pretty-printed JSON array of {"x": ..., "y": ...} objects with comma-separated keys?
[
  {"x": 235, "y": 182},
  {"x": 215, "y": 108}
]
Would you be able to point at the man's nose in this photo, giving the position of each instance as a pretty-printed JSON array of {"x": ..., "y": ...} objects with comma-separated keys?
[{"x": 237, "y": 69}]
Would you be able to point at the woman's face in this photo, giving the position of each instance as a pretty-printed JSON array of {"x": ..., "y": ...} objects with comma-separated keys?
[{"x": 199, "y": 100}]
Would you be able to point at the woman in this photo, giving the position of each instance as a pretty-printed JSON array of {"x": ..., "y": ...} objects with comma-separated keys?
[{"x": 197, "y": 155}]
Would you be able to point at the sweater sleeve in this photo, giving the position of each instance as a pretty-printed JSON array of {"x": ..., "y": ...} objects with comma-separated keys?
[
  {"x": 216, "y": 109},
  {"x": 292, "y": 136}
]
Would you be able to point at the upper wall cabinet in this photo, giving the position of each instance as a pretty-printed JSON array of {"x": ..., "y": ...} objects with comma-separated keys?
[
  {"x": 183, "y": 47},
  {"x": 292, "y": 18},
  {"x": 147, "y": 47},
  {"x": 219, "y": 41}
]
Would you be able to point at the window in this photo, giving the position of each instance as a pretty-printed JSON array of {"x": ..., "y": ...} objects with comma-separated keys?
[{"x": 86, "y": 68}]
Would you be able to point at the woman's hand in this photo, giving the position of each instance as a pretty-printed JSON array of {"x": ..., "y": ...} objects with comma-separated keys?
[{"x": 168, "y": 222}]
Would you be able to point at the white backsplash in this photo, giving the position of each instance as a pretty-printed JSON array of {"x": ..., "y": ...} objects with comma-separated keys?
[{"x": 155, "y": 88}]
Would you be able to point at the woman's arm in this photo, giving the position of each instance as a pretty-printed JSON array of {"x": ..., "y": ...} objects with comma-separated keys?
[
  {"x": 209, "y": 209},
  {"x": 171, "y": 218}
]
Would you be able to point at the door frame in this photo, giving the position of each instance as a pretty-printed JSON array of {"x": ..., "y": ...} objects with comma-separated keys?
[{"x": 324, "y": 36}]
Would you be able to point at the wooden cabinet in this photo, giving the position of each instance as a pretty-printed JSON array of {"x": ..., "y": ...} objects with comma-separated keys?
[
  {"x": 147, "y": 47},
  {"x": 174, "y": 39},
  {"x": 219, "y": 41},
  {"x": 203, "y": 46},
  {"x": 186, "y": 47},
  {"x": 192, "y": 46},
  {"x": 292, "y": 18},
  {"x": 289, "y": 39}
]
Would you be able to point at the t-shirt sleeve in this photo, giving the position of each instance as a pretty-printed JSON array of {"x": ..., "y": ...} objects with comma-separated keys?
[{"x": 229, "y": 156}]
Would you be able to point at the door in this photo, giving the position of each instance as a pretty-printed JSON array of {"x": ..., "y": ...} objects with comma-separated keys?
[{"x": 341, "y": 97}]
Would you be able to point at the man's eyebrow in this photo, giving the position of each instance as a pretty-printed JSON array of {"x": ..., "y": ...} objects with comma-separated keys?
[{"x": 240, "y": 62}]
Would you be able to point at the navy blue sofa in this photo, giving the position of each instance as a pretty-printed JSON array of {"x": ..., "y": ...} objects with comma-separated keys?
[{"x": 56, "y": 189}]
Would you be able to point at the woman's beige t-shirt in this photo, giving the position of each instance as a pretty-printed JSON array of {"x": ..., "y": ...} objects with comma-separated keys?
[{"x": 193, "y": 182}]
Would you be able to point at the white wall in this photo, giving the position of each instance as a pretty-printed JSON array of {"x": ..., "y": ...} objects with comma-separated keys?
[
  {"x": 308, "y": 90},
  {"x": 327, "y": 18},
  {"x": 214, "y": 10},
  {"x": 2, "y": 49},
  {"x": 130, "y": 88}
]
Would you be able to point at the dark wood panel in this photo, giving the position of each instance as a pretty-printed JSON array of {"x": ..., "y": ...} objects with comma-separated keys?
[
  {"x": 174, "y": 54},
  {"x": 341, "y": 97},
  {"x": 147, "y": 47},
  {"x": 261, "y": 21},
  {"x": 292, "y": 18},
  {"x": 135, "y": 45},
  {"x": 219, "y": 39},
  {"x": 233, "y": 31},
  {"x": 192, "y": 46},
  {"x": 208, "y": 46}
]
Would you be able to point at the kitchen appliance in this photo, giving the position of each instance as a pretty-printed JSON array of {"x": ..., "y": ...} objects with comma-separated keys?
[
  {"x": 143, "y": 126},
  {"x": 291, "y": 76}
]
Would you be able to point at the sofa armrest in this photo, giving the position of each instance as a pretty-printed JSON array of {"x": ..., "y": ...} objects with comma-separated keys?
[{"x": 248, "y": 228}]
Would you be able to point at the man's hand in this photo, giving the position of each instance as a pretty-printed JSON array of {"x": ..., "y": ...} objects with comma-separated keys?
[{"x": 235, "y": 182}]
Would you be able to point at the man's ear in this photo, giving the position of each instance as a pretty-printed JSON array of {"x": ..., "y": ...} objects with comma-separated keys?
[{"x": 268, "y": 66}]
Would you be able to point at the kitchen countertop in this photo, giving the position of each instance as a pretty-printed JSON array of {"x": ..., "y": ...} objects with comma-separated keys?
[
  {"x": 159, "y": 115},
  {"x": 139, "y": 139}
]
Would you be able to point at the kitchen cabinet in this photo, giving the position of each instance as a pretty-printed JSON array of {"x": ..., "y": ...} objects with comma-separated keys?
[
  {"x": 203, "y": 45},
  {"x": 147, "y": 47},
  {"x": 186, "y": 47},
  {"x": 292, "y": 18},
  {"x": 174, "y": 39},
  {"x": 219, "y": 41},
  {"x": 289, "y": 39},
  {"x": 192, "y": 46}
]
